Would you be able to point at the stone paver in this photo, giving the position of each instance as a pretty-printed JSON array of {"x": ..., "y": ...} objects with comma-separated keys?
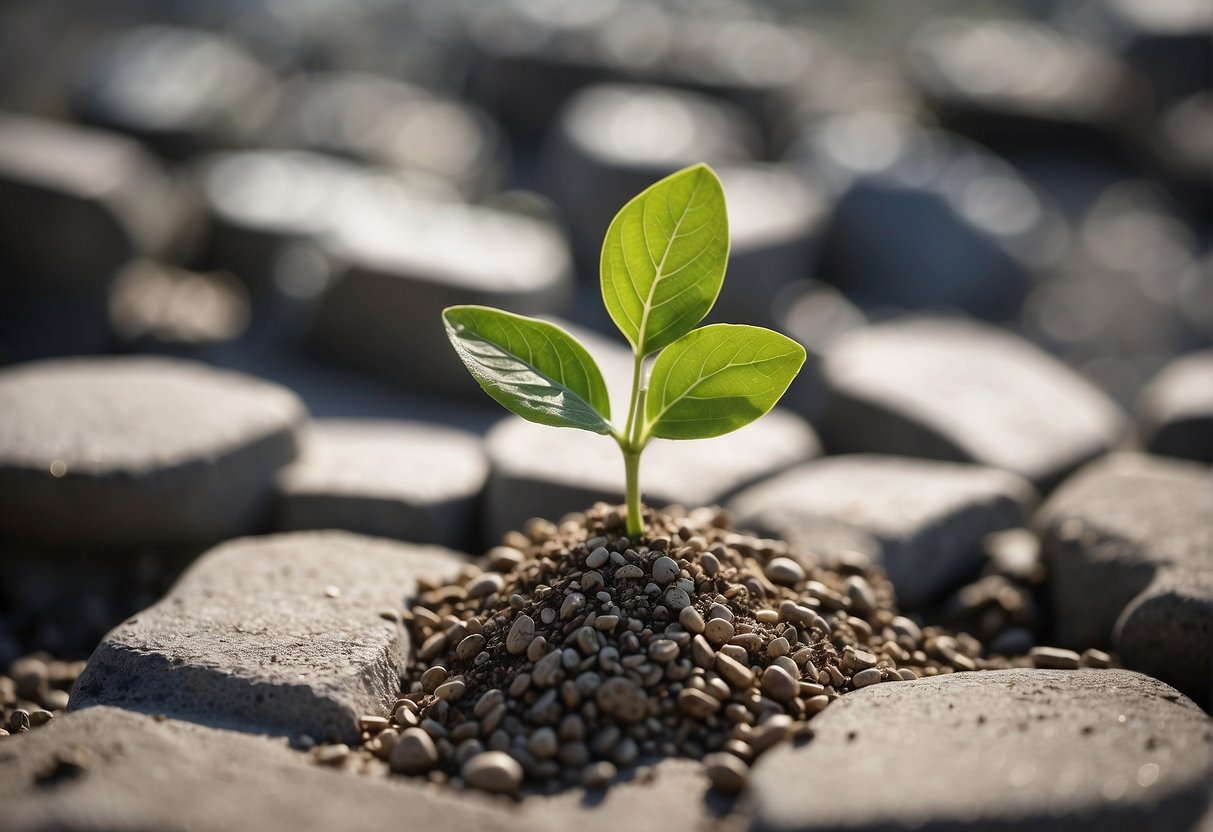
[
  {"x": 611, "y": 141},
  {"x": 1009, "y": 750},
  {"x": 179, "y": 90},
  {"x": 407, "y": 258},
  {"x": 407, "y": 480},
  {"x": 402, "y": 126},
  {"x": 925, "y": 520},
  {"x": 128, "y": 452},
  {"x": 146, "y": 774},
  {"x": 1176, "y": 409},
  {"x": 278, "y": 634},
  {"x": 1128, "y": 542},
  {"x": 914, "y": 226},
  {"x": 541, "y": 472},
  {"x": 956, "y": 390}
]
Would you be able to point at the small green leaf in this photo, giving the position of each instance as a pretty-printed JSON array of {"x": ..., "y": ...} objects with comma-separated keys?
[
  {"x": 663, "y": 258},
  {"x": 718, "y": 379},
  {"x": 530, "y": 367}
]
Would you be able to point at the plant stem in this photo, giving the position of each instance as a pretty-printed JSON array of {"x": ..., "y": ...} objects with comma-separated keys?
[
  {"x": 631, "y": 443},
  {"x": 631, "y": 463}
]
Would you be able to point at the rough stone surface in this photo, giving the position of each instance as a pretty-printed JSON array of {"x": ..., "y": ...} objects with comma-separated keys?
[
  {"x": 1129, "y": 546},
  {"x": 539, "y": 471},
  {"x": 955, "y": 390},
  {"x": 139, "y": 451},
  {"x": 145, "y": 774},
  {"x": 279, "y": 634},
  {"x": 406, "y": 480},
  {"x": 1009, "y": 750},
  {"x": 1176, "y": 409},
  {"x": 924, "y": 520}
]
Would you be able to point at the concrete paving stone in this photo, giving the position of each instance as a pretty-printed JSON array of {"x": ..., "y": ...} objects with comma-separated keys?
[
  {"x": 1128, "y": 542},
  {"x": 776, "y": 217},
  {"x": 406, "y": 258},
  {"x": 279, "y": 634},
  {"x": 958, "y": 390},
  {"x": 537, "y": 471},
  {"x": 126, "y": 452},
  {"x": 1175, "y": 411},
  {"x": 1007, "y": 750},
  {"x": 105, "y": 768},
  {"x": 924, "y": 520},
  {"x": 77, "y": 204},
  {"x": 388, "y": 478},
  {"x": 181, "y": 91},
  {"x": 611, "y": 141},
  {"x": 390, "y": 123},
  {"x": 913, "y": 227},
  {"x": 1054, "y": 111}
]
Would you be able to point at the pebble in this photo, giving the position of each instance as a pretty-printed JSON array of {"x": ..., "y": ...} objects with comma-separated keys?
[
  {"x": 718, "y": 631},
  {"x": 866, "y": 677},
  {"x": 663, "y": 650},
  {"x": 469, "y": 647},
  {"x": 1054, "y": 658},
  {"x": 676, "y": 598},
  {"x": 784, "y": 571},
  {"x": 597, "y": 558},
  {"x": 696, "y": 703},
  {"x": 727, "y": 774},
  {"x": 547, "y": 672},
  {"x": 629, "y": 572},
  {"x": 373, "y": 724},
  {"x": 493, "y": 771},
  {"x": 1096, "y": 658},
  {"x": 332, "y": 755},
  {"x": 691, "y": 620},
  {"x": 665, "y": 570},
  {"x": 504, "y": 558},
  {"x": 451, "y": 691},
  {"x": 622, "y": 699},
  {"x": 734, "y": 672},
  {"x": 518, "y": 639},
  {"x": 432, "y": 678},
  {"x": 19, "y": 721},
  {"x": 597, "y": 775},
  {"x": 414, "y": 752},
  {"x": 779, "y": 685},
  {"x": 489, "y": 583}
]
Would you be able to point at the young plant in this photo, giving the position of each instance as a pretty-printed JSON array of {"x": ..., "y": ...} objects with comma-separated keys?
[{"x": 662, "y": 266}]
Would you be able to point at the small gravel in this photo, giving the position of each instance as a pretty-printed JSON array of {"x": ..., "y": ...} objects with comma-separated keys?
[
  {"x": 583, "y": 652},
  {"x": 34, "y": 691}
]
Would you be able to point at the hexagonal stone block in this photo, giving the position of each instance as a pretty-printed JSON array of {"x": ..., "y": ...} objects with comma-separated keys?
[
  {"x": 179, "y": 90},
  {"x": 406, "y": 480},
  {"x": 1175, "y": 410},
  {"x": 406, "y": 258},
  {"x": 1129, "y": 546},
  {"x": 106, "y": 768},
  {"x": 125, "y": 452},
  {"x": 924, "y": 521},
  {"x": 277, "y": 635},
  {"x": 539, "y": 471},
  {"x": 924, "y": 219},
  {"x": 955, "y": 390},
  {"x": 1008, "y": 749},
  {"x": 612, "y": 141},
  {"x": 77, "y": 204},
  {"x": 393, "y": 124}
]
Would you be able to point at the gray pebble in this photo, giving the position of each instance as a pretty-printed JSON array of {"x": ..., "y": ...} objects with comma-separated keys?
[
  {"x": 866, "y": 677},
  {"x": 665, "y": 570},
  {"x": 784, "y": 571},
  {"x": 597, "y": 558},
  {"x": 518, "y": 639},
  {"x": 778, "y": 685}
]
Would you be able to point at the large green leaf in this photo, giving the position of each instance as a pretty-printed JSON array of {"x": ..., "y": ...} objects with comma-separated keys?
[
  {"x": 663, "y": 258},
  {"x": 717, "y": 379},
  {"x": 531, "y": 367}
]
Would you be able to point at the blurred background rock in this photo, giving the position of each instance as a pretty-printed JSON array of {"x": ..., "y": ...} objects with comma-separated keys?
[{"x": 295, "y": 189}]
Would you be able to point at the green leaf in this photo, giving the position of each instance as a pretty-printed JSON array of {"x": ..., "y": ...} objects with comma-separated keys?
[
  {"x": 530, "y": 367},
  {"x": 663, "y": 258},
  {"x": 717, "y": 379}
]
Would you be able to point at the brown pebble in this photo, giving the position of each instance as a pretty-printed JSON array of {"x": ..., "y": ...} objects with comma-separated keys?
[
  {"x": 520, "y": 634},
  {"x": 493, "y": 771},
  {"x": 696, "y": 703},
  {"x": 866, "y": 677},
  {"x": 734, "y": 672},
  {"x": 622, "y": 699},
  {"x": 777, "y": 684},
  {"x": 331, "y": 755},
  {"x": 372, "y": 724},
  {"x": 414, "y": 752},
  {"x": 784, "y": 571},
  {"x": 718, "y": 631},
  {"x": 1054, "y": 658},
  {"x": 726, "y": 772}
]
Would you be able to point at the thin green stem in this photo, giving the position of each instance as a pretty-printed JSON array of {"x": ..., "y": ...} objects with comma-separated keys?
[
  {"x": 631, "y": 464},
  {"x": 632, "y": 444}
]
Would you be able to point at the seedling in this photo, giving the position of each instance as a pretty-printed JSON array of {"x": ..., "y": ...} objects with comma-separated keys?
[{"x": 662, "y": 266}]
